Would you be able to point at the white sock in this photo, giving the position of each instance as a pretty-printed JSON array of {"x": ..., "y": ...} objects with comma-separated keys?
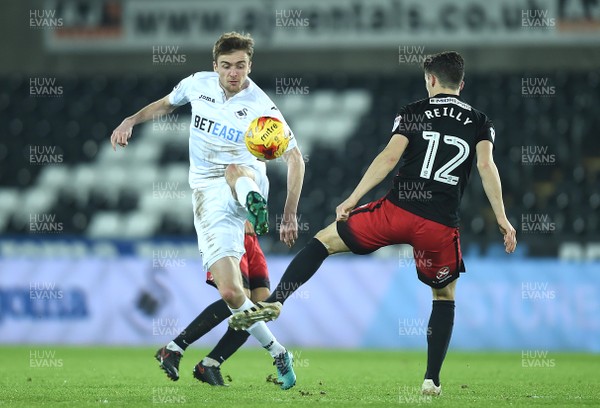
[
  {"x": 210, "y": 362},
  {"x": 261, "y": 332},
  {"x": 243, "y": 186},
  {"x": 173, "y": 346}
]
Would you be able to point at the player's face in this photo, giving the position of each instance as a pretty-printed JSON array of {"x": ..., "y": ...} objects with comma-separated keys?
[{"x": 233, "y": 70}]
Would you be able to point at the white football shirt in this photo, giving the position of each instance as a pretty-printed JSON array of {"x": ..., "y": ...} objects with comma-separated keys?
[{"x": 218, "y": 124}]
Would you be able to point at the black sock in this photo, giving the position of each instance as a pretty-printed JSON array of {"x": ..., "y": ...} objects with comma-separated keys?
[
  {"x": 208, "y": 319},
  {"x": 303, "y": 266},
  {"x": 439, "y": 332},
  {"x": 229, "y": 343}
]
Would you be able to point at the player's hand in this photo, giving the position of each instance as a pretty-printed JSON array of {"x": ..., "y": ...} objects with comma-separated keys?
[
  {"x": 288, "y": 229},
  {"x": 342, "y": 211},
  {"x": 248, "y": 228},
  {"x": 121, "y": 134},
  {"x": 510, "y": 235}
]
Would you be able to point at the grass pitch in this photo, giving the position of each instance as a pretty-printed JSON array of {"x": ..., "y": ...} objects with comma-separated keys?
[{"x": 129, "y": 377}]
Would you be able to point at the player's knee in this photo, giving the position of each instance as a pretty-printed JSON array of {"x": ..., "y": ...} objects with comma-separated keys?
[
  {"x": 231, "y": 173},
  {"x": 233, "y": 296},
  {"x": 234, "y": 171},
  {"x": 331, "y": 241},
  {"x": 445, "y": 293}
]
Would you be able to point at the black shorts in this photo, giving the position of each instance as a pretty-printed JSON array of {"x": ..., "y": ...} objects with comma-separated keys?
[{"x": 436, "y": 247}]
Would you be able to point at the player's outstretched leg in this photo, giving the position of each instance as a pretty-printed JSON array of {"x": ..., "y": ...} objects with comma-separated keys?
[
  {"x": 439, "y": 332},
  {"x": 301, "y": 269},
  {"x": 244, "y": 188},
  {"x": 170, "y": 355}
]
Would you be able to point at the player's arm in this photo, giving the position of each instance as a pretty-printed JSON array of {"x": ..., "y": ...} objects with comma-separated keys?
[
  {"x": 295, "y": 177},
  {"x": 122, "y": 133},
  {"x": 377, "y": 171},
  {"x": 493, "y": 190}
]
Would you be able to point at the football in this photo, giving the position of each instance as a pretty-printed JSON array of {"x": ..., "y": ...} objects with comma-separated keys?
[{"x": 266, "y": 138}]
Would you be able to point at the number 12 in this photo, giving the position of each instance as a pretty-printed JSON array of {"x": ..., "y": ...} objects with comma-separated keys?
[{"x": 443, "y": 174}]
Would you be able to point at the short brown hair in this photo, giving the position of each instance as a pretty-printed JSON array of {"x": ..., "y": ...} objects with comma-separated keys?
[
  {"x": 447, "y": 66},
  {"x": 233, "y": 41}
]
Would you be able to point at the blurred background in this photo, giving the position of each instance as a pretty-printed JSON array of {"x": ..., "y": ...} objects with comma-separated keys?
[{"x": 98, "y": 247}]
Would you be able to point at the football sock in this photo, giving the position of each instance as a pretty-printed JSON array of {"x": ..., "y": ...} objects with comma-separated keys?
[
  {"x": 174, "y": 347},
  {"x": 210, "y": 362},
  {"x": 261, "y": 332},
  {"x": 208, "y": 319},
  {"x": 303, "y": 266},
  {"x": 231, "y": 341},
  {"x": 243, "y": 186},
  {"x": 439, "y": 332}
]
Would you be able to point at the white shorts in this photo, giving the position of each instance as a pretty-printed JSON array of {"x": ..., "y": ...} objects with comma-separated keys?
[{"x": 219, "y": 218}]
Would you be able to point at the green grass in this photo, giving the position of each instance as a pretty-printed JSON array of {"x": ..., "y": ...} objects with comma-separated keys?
[{"x": 130, "y": 377}]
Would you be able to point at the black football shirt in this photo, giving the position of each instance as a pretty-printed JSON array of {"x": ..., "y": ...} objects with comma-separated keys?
[{"x": 435, "y": 167}]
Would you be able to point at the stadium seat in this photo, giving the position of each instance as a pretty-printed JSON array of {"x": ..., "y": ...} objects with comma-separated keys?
[
  {"x": 106, "y": 224},
  {"x": 139, "y": 224},
  {"x": 37, "y": 200}
]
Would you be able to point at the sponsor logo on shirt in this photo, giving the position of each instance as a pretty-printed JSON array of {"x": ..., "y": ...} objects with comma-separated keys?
[
  {"x": 212, "y": 127},
  {"x": 207, "y": 98},
  {"x": 241, "y": 114}
]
